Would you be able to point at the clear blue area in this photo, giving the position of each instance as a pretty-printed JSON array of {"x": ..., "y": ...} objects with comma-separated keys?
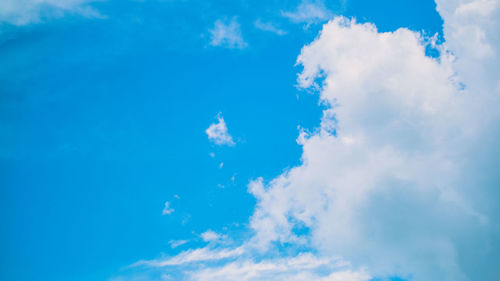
[{"x": 103, "y": 120}]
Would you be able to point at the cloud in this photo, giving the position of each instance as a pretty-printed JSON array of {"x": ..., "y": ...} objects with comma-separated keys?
[
  {"x": 177, "y": 243},
  {"x": 23, "y": 12},
  {"x": 192, "y": 256},
  {"x": 309, "y": 12},
  {"x": 167, "y": 210},
  {"x": 220, "y": 264},
  {"x": 268, "y": 26},
  {"x": 210, "y": 235},
  {"x": 303, "y": 267},
  {"x": 227, "y": 34},
  {"x": 218, "y": 133},
  {"x": 400, "y": 177}
]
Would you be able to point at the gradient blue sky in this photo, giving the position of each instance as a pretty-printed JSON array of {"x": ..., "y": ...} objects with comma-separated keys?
[{"x": 103, "y": 118}]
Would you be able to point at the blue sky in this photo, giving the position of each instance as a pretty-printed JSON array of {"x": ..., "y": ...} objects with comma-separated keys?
[{"x": 105, "y": 107}]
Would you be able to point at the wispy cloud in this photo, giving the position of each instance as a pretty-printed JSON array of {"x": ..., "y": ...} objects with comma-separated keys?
[
  {"x": 176, "y": 243},
  {"x": 309, "y": 12},
  {"x": 218, "y": 132},
  {"x": 303, "y": 267},
  {"x": 167, "y": 210},
  {"x": 196, "y": 255},
  {"x": 227, "y": 34},
  {"x": 23, "y": 12},
  {"x": 211, "y": 236},
  {"x": 268, "y": 26},
  {"x": 228, "y": 264}
]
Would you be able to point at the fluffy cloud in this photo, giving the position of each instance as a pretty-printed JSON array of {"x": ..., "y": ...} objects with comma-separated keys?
[
  {"x": 309, "y": 12},
  {"x": 401, "y": 177},
  {"x": 22, "y": 12},
  {"x": 218, "y": 133},
  {"x": 227, "y": 34}
]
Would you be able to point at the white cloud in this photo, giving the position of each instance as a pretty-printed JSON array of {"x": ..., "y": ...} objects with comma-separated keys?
[
  {"x": 268, "y": 26},
  {"x": 309, "y": 12},
  {"x": 304, "y": 267},
  {"x": 177, "y": 243},
  {"x": 401, "y": 176},
  {"x": 23, "y": 12},
  {"x": 210, "y": 236},
  {"x": 167, "y": 210},
  {"x": 471, "y": 32},
  {"x": 218, "y": 133},
  {"x": 233, "y": 264},
  {"x": 227, "y": 34},
  {"x": 191, "y": 256}
]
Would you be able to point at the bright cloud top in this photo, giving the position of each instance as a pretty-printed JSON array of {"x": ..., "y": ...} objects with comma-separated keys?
[
  {"x": 22, "y": 12},
  {"x": 401, "y": 177},
  {"x": 227, "y": 34},
  {"x": 218, "y": 133}
]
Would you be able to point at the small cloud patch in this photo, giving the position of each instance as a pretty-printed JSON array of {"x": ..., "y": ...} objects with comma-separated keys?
[
  {"x": 309, "y": 12},
  {"x": 218, "y": 133},
  {"x": 167, "y": 210},
  {"x": 269, "y": 27},
  {"x": 227, "y": 34}
]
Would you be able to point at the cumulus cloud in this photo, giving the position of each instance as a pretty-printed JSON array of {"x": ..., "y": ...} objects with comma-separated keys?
[
  {"x": 309, "y": 12},
  {"x": 401, "y": 176},
  {"x": 268, "y": 26},
  {"x": 23, "y": 12},
  {"x": 227, "y": 34},
  {"x": 218, "y": 133},
  {"x": 167, "y": 210}
]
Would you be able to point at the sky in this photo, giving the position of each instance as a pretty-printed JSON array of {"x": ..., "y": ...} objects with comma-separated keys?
[{"x": 346, "y": 140}]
